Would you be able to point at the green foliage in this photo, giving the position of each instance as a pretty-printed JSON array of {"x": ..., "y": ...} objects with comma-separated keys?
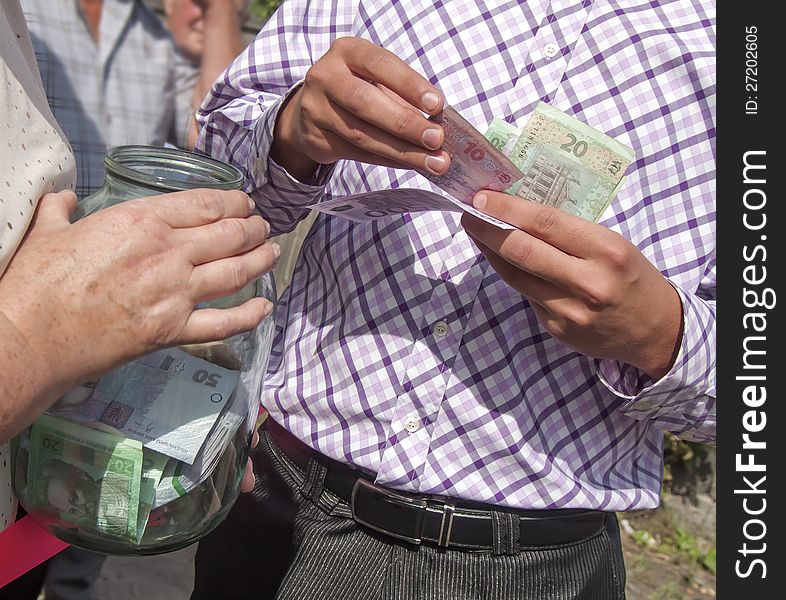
[
  {"x": 667, "y": 591},
  {"x": 687, "y": 545},
  {"x": 681, "y": 543},
  {"x": 708, "y": 562},
  {"x": 262, "y": 9},
  {"x": 643, "y": 538}
]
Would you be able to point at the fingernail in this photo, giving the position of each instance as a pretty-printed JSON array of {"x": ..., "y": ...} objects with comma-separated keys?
[
  {"x": 430, "y": 101},
  {"x": 432, "y": 138},
  {"x": 267, "y": 310},
  {"x": 267, "y": 229},
  {"x": 251, "y": 205},
  {"x": 479, "y": 201},
  {"x": 435, "y": 164},
  {"x": 276, "y": 250}
]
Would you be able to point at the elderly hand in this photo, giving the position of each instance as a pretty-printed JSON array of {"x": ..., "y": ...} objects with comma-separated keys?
[
  {"x": 83, "y": 298},
  {"x": 360, "y": 102},
  {"x": 589, "y": 287}
]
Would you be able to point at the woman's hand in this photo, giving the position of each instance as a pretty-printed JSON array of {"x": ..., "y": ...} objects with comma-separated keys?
[{"x": 79, "y": 299}]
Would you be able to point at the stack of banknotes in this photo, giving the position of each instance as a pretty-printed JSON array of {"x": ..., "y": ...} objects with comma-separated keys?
[
  {"x": 555, "y": 160},
  {"x": 110, "y": 453}
]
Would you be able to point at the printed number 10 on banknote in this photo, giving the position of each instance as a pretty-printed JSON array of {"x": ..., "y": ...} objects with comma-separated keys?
[{"x": 474, "y": 163}]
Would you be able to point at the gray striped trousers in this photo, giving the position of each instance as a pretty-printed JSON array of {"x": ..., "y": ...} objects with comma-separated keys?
[{"x": 290, "y": 539}]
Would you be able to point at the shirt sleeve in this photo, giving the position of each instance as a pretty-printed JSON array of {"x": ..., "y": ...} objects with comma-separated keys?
[
  {"x": 683, "y": 400},
  {"x": 237, "y": 118}
]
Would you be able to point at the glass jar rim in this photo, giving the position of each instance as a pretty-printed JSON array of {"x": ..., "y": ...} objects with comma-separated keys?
[{"x": 195, "y": 170}]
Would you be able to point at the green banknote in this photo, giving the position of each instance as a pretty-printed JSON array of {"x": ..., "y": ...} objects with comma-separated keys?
[
  {"x": 153, "y": 464},
  {"x": 502, "y": 135},
  {"x": 90, "y": 477},
  {"x": 566, "y": 163}
]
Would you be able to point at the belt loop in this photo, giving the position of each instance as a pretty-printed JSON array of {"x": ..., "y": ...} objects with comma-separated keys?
[
  {"x": 446, "y": 527},
  {"x": 505, "y": 533},
  {"x": 314, "y": 480}
]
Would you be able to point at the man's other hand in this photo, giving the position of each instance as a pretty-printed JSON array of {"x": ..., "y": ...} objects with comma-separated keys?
[{"x": 589, "y": 286}]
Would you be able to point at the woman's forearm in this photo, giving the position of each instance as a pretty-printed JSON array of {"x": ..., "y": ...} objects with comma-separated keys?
[{"x": 27, "y": 387}]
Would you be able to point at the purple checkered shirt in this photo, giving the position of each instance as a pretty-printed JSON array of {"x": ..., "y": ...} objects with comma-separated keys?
[{"x": 399, "y": 349}]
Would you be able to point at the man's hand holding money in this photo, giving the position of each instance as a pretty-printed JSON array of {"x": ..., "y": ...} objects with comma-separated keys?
[
  {"x": 589, "y": 286},
  {"x": 360, "y": 102}
]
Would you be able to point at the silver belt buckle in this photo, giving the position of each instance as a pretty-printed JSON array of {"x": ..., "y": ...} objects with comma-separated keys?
[{"x": 411, "y": 532}]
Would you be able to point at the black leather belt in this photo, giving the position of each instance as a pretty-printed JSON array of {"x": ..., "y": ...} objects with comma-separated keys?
[{"x": 430, "y": 519}]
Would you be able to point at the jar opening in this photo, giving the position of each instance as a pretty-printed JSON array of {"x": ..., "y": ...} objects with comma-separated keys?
[{"x": 170, "y": 169}]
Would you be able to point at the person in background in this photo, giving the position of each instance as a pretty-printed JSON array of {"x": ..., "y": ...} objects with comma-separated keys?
[
  {"x": 207, "y": 36},
  {"x": 113, "y": 75},
  {"x": 456, "y": 410}
]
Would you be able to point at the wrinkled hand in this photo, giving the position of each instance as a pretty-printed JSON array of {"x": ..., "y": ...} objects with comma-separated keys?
[
  {"x": 360, "y": 102},
  {"x": 125, "y": 281},
  {"x": 589, "y": 286}
]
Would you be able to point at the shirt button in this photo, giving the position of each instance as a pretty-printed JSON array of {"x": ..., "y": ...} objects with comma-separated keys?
[
  {"x": 441, "y": 328},
  {"x": 550, "y": 50},
  {"x": 412, "y": 424}
]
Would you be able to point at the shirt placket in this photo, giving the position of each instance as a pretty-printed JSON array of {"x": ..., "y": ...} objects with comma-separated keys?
[
  {"x": 428, "y": 369},
  {"x": 547, "y": 56}
]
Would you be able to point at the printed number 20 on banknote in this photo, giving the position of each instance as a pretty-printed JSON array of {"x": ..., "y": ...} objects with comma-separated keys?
[{"x": 566, "y": 163}]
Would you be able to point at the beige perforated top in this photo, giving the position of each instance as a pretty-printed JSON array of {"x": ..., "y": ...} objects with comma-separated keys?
[{"x": 35, "y": 158}]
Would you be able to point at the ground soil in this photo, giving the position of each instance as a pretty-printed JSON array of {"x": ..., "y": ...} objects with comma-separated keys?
[{"x": 659, "y": 571}]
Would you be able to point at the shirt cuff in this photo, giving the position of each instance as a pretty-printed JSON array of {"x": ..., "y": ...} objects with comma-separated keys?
[
  {"x": 266, "y": 171},
  {"x": 691, "y": 376}
]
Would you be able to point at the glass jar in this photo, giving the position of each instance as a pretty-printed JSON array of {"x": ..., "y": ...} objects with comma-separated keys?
[{"x": 149, "y": 458}]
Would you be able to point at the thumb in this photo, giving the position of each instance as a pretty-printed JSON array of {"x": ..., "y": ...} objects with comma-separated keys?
[{"x": 54, "y": 210}]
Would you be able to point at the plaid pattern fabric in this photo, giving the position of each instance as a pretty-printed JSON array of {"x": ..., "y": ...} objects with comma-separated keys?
[
  {"x": 489, "y": 408},
  {"x": 118, "y": 90}
]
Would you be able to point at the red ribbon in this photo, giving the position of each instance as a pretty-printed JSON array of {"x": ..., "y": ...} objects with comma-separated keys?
[{"x": 23, "y": 546}]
